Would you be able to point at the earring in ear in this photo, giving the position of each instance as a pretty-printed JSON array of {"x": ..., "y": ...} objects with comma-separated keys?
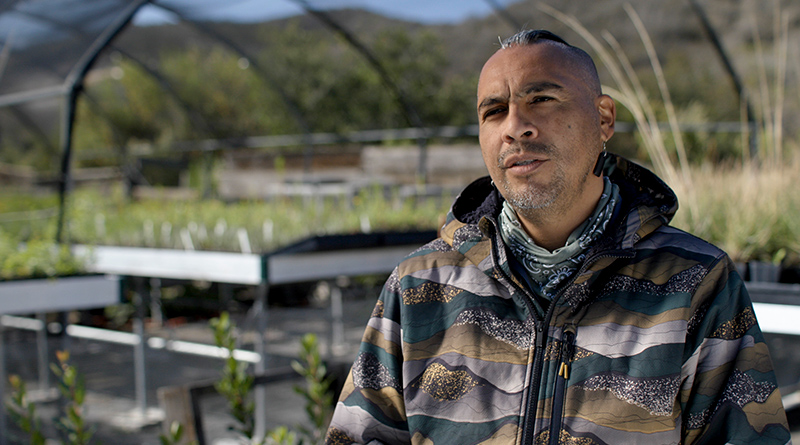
[{"x": 601, "y": 161}]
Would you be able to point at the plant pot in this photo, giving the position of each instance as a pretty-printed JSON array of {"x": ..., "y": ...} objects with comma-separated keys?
[{"x": 763, "y": 271}]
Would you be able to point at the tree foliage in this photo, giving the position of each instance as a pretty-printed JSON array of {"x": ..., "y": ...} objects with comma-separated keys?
[{"x": 301, "y": 80}]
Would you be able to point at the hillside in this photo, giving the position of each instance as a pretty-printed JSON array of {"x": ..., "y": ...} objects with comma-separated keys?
[
  {"x": 672, "y": 25},
  {"x": 683, "y": 47},
  {"x": 208, "y": 93}
]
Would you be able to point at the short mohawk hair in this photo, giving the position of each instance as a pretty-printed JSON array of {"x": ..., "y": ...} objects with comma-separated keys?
[{"x": 531, "y": 36}]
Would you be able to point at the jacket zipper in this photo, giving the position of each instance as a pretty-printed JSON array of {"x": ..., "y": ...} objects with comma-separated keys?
[
  {"x": 559, "y": 394},
  {"x": 536, "y": 378},
  {"x": 528, "y": 433},
  {"x": 529, "y": 421},
  {"x": 528, "y": 437}
]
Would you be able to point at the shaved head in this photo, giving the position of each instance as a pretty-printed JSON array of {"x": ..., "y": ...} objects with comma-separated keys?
[{"x": 577, "y": 58}]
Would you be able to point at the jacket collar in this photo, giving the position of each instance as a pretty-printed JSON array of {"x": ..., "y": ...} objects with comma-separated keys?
[{"x": 646, "y": 204}]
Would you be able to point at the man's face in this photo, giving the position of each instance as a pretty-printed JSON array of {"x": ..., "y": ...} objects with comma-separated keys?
[{"x": 540, "y": 127}]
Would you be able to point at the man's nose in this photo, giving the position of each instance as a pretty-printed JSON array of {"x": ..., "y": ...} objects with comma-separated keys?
[{"x": 519, "y": 126}]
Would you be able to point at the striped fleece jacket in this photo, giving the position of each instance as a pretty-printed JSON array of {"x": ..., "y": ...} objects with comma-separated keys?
[{"x": 653, "y": 341}]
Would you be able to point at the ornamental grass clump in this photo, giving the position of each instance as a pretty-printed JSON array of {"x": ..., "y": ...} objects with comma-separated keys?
[
  {"x": 747, "y": 207},
  {"x": 749, "y": 211}
]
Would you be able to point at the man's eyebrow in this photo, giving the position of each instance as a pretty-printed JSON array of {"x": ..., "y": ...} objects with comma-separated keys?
[
  {"x": 490, "y": 101},
  {"x": 538, "y": 87},
  {"x": 534, "y": 87}
]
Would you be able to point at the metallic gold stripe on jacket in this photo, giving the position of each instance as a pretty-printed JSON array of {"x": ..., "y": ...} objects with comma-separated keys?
[
  {"x": 736, "y": 327},
  {"x": 444, "y": 385},
  {"x": 430, "y": 292}
]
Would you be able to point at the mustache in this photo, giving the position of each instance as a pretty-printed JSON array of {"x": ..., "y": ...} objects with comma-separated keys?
[{"x": 524, "y": 147}]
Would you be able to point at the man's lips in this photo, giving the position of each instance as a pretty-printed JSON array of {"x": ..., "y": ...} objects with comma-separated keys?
[{"x": 522, "y": 163}]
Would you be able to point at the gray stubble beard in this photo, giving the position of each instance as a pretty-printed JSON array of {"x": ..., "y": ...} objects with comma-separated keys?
[
  {"x": 535, "y": 205},
  {"x": 530, "y": 198}
]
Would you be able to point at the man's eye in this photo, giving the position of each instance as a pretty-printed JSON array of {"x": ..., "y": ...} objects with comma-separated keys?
[
  {"x": 540, "y": 99},
  {"x": 492, "y": 112}
]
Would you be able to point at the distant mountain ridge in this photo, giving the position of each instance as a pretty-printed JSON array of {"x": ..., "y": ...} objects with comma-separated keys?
[{"x": 672, "y": 26}]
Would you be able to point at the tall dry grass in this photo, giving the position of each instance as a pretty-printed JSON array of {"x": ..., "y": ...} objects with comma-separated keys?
[
  {"x": 750, "y": 209},
  {"x": 771, "y": 90},
  {"x": 629, "y": 92}
]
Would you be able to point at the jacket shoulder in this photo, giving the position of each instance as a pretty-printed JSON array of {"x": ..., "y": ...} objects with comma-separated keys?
[
  {"x": 675, "y": 241},
  {"x": 437, "y": 253}
]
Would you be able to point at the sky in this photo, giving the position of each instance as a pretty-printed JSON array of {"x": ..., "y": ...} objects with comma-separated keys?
[{"x": 424, "y": 11}]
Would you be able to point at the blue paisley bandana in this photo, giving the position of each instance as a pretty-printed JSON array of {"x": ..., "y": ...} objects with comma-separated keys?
[{"x": 551, "y": 269}]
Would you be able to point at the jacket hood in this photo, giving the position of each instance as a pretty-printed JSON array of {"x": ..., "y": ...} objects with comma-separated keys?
[{"x": 646, "y": 204}]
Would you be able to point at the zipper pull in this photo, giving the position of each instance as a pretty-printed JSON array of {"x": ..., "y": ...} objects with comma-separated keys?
[
  {"x": 541, "y": 336},
  {"x": 567, "y": 351},
  {"x": 563, "y": 371}
]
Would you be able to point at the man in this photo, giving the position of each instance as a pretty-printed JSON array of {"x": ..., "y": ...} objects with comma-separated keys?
[{"x": 558, "y": 306}]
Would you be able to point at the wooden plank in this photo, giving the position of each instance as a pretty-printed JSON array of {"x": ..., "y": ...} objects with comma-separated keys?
[
  {"x": 219, "y": 267},
  {"x": 327, "y": 265},
  {"x": 239, "y": 268},
  {"x": 59, "y": 294},
  {"x": 177, "y": 407}
]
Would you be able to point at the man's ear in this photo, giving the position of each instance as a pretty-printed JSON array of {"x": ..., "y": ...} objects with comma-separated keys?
[{"x": 607, "y": 110}]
